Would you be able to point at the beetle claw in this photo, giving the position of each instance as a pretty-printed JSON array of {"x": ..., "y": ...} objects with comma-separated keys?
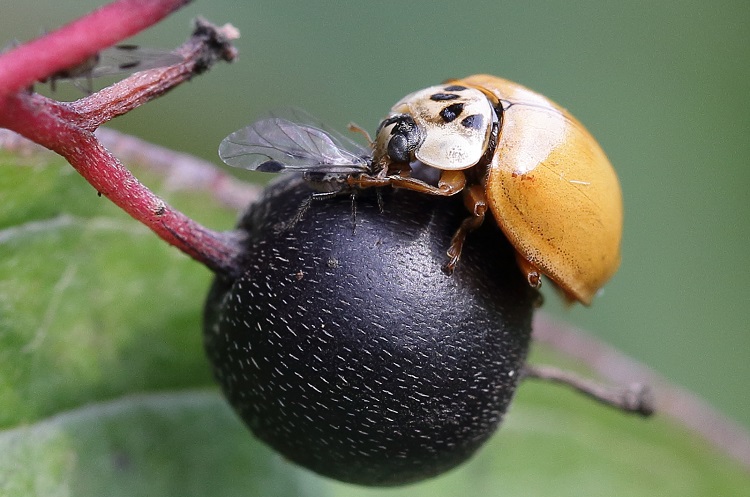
[
  {"x": 454, "y": 254},
  {"x": 534, "y": 279},
  {"x": 450, "y": 266}
]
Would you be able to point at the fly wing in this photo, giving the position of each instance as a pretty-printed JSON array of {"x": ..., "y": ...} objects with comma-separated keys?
[
  {"x": 129, "y": 59},
  {"x": 276, "y": 144}
]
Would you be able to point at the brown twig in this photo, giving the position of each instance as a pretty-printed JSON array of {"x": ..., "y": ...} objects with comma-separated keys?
[
  {"x": 208, "y": 45},
  {"x": 670, "y": 400},
  {"x": 635, "y": 398}
]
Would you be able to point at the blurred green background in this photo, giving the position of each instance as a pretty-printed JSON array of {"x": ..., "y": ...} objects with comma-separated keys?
[{"x": 664, "y": 86}]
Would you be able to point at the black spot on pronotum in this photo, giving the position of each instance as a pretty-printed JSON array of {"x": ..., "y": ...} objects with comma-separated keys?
[
  {"x": 454, "y": 88},
  {"x": 451, "y": 112},
  {"x": 474, "y": 121},
  {"x": 270, "y": 166},
  {"x": 438, "y": 97}
]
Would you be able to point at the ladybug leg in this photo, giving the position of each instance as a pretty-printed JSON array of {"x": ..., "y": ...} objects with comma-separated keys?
[
  {"x": 476, "y": 202},
  {"x": 367, "y": 181},
  {"x": 450, "y": 183},
  {"x": 533, "y": 276}
]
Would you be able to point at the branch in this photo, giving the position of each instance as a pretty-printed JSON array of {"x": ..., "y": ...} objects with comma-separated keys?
[
  {"x": 635, "y": 398},
  {"x": 79, "y": 40},
  {"x": 67, "y": 128},
  {"x": 208, "y": 45},
  {"x": 670, "y": 400},
  {"x": 180, "y": 171}
]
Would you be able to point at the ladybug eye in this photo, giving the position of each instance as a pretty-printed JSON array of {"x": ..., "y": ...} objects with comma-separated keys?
[
  {"x": 405, "y": 137},
  {"x": 398, "y": 148}
]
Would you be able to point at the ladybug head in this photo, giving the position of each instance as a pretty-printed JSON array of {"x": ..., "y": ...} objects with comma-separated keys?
[
  {"x": 447, "y": 127},
  {"x": 398, "y": 137}
]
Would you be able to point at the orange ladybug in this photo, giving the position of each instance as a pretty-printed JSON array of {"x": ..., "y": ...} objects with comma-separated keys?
[{"x": 544, "y": 178}]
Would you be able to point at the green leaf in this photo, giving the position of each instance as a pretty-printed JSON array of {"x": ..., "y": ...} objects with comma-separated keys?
[
  {"x": 159, "y": 444},
  {"x": 557, "y": 442},
  {"x": 104, "y": 389}
]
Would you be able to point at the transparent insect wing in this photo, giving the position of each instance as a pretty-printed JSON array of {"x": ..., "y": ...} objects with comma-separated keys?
[
  {"x": 121, "y": 59},
  {"x": 276, "y": 144},
  {"x": 131, "y": 58},
  {"x": 303, "y": 118}
]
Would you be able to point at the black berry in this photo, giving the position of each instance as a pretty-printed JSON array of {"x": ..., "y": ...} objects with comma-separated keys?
[{"x": 344, "y": 346}]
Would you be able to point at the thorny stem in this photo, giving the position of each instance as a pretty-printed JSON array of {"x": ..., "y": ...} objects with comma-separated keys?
[
  {"x": 636, "y": 398},
  {"x": 67, "y": 128}
]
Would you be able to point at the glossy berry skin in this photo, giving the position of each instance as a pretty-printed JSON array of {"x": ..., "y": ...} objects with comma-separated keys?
[{"x": 343, "y": 347}]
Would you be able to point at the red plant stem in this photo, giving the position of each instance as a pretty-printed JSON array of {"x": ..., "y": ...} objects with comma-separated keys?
[
  {"x": 67, "y": 128},
  {"x": 218, "y": 251},
  {"x": 79, "y": 40},
  {"x": 199, "y": 53},
  {"x": 179, "y": 171}
]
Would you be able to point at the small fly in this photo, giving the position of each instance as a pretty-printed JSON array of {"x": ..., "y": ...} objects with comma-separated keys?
[
  {"x": 301, "y": 144},
  {"x": 327, "y": 159},
  {"x": 120, "y": 59}
]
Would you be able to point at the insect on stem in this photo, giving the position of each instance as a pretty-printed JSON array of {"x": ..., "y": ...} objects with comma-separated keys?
[
  {"x": 67, "y": 128},
  {"x": 636, "y": 398}
]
